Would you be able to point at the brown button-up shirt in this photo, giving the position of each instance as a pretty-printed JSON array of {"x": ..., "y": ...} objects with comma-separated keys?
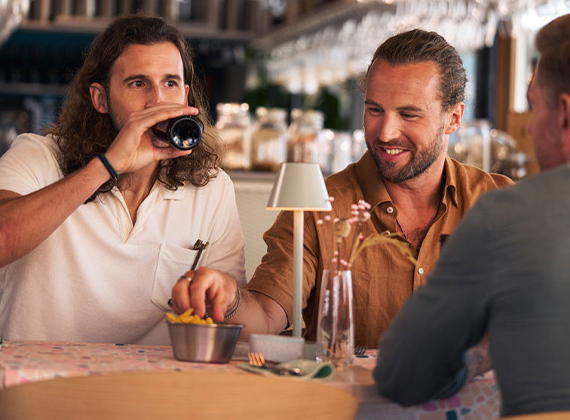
[{"x": 382, "y": 277}]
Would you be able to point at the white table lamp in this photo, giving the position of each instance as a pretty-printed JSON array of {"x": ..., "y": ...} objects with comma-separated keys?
[{"x": 299, "y": 187}]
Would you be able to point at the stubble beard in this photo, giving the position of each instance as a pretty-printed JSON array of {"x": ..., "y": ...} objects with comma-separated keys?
[
  {"x": 159, "y": 143},
  {"x": 112, "y": 114},
  {"x": 418, "y": 164}
]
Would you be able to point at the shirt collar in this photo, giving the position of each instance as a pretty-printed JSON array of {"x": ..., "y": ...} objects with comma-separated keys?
[
  {"x": 369, "y": 179},
  {"x": 167, "y": 194},
  {"x": 375, "y": 192},
  {"x": 450, "y": 189}
]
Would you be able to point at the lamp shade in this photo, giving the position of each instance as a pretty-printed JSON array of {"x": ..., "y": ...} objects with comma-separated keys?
[{"x": 299, "y": 186}]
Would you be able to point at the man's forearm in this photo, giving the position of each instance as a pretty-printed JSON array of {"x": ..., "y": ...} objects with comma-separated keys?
[
  {"x": 26, "y": 221},
  {"x": 477, "y": 361},
  {"x": 216, "y": 292},
  {"x": 259, "y": 314}
]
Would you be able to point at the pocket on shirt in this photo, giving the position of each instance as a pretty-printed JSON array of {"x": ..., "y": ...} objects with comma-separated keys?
[{"x": 173, "y": 261}]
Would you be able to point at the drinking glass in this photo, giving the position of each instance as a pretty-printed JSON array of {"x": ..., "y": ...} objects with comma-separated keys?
[{"x": 335, "y": 328}]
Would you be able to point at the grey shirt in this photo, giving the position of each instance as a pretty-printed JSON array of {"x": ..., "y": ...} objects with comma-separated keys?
[{"x": 506, "y": 269}]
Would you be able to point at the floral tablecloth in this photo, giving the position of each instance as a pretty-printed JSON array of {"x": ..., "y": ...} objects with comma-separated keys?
[{"x": 28, "y": 361}]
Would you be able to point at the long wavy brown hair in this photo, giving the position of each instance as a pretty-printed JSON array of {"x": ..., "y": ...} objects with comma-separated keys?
[{"x": 82, "y": 133}]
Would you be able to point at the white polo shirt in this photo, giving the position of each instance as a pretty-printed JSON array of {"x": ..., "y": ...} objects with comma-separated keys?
[{"x": 98, "y": 277}]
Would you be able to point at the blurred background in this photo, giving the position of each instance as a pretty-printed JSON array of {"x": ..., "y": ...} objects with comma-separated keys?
[{"x": 282, "y": 75}]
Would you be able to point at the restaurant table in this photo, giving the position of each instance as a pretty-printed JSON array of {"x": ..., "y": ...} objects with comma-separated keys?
[{"x": 28, "y": 361}]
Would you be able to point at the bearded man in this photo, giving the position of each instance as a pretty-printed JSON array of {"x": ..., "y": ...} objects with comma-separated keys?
[{"x": 414, "y": 91}]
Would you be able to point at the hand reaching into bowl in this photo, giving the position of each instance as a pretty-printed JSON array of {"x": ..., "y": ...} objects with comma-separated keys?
[
  {"x": 215, "y": 292},
  {"x": 206, "y": 289}
]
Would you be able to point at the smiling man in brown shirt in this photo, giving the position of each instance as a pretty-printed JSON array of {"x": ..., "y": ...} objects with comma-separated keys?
[{"x": 414, "y": 92}]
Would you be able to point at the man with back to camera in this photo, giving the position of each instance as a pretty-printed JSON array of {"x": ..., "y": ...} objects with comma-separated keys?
[
  {"x": 504, "y": 271},
  {"x": 414, "y": 92},
  {"x": 87, "y": 255}
]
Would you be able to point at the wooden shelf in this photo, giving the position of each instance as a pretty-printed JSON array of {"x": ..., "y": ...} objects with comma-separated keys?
[
  {"x": 32, "y": 89},
  {"x": 241, "y": 20},
  {"x": 96, "y": 25},
  {"x": 210, "y": 19}
]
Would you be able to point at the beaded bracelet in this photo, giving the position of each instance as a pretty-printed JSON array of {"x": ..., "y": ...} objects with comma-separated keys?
[
  {"x": 108, "y": 166},
  {"x": 234, "y": 310}
]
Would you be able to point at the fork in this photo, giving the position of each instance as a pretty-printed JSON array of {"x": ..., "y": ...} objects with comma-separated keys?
[
  {"x": 257, "y": 360},
  {"x": 360, "y": 350}
]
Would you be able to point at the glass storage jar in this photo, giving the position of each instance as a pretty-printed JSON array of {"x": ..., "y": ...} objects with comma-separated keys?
[
  {"x": 234, "y": 127},
  {"x": 304, "y": 136},
  {"x": 268, "y": 139},
  {"x": 335, "y": 151}
]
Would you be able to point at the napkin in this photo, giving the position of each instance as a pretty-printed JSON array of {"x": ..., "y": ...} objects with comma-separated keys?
[{"x": 310, "y": 368}]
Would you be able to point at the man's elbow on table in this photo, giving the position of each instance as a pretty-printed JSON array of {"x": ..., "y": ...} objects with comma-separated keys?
[
  {"x": 392, "y": 385},
  {"x": 407, "y": 385}
]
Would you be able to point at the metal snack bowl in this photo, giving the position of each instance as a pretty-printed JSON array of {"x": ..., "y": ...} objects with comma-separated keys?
[{"x": 204, "y": 343}]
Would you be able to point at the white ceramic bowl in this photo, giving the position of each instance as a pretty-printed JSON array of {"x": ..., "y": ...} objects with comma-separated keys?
[{"x": 277, "y": 348}]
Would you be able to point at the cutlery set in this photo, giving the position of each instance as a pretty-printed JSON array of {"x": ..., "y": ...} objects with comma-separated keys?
[{"x": 257, "y": 360}]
